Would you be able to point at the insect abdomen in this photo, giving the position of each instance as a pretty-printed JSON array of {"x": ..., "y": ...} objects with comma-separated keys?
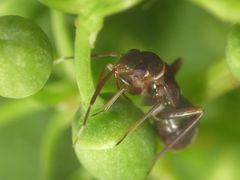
[{"x": 170, "y": 128}]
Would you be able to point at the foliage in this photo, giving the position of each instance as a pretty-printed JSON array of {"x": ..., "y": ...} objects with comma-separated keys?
[{"x": 35, "y": 135}]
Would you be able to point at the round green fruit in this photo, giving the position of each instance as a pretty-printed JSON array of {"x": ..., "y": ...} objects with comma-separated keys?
[{"x": 25, "y": 57}]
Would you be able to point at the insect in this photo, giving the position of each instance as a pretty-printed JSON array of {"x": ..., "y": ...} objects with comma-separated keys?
[{"x": 144, "y": 74}]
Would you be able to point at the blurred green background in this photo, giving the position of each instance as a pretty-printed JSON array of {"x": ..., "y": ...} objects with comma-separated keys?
[{"x": 35, "y": 133}]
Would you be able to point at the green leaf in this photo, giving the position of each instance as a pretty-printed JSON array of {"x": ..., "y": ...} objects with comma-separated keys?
[
  {"x": 25, "y": 8},
  {"x": 233, "y": 51},
  {"x": 228, "y": 10},
  {"x": 86, "y": 7},
  {"x": 25, "y": 57}
]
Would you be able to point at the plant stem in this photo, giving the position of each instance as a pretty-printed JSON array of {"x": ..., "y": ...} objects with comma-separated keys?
[
  {"x": 86, "y": 31},
  {"x": 63, "y": 41}
]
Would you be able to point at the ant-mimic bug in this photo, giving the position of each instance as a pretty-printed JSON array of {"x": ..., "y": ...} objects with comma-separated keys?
[{"x": 144, "y": 74}]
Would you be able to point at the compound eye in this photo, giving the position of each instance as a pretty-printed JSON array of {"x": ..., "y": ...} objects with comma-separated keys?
[{"x": 140, "y": 71}]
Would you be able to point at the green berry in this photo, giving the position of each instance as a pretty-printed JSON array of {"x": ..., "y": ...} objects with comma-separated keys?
[
  {"x": 96, "y": 146},
  {"x": 25, "y": 57}
]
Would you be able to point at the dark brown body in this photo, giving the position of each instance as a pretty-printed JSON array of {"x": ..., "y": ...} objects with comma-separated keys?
[{"x": 169, "y": 128}]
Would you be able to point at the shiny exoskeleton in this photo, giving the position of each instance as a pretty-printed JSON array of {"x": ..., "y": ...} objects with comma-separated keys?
[{"x": 144, "y": 74}]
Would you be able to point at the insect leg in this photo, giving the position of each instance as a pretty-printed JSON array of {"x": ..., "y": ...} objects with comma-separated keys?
[
  {"x": 102, "y": 80},
  {"x": 95, "y": 55},
  {"x": 108, "y": 105},
  {"x": 100, "y": 84},
  {"x": 180, "y": 113},
  {"x": 175, "y": 114},
  {"x": 105, "y": 54},
  {"x": 156, "y": 107}
]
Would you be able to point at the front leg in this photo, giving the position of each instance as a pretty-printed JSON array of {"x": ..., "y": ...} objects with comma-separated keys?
[
  {"x": 109, "y": 104},
  {"x": 101, "y": 82}
]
